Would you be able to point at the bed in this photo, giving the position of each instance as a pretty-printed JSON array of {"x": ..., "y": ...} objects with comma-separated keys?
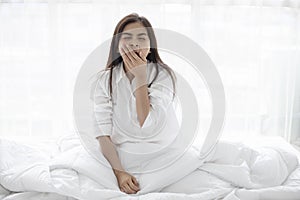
[{"x": 252, "y": 168}]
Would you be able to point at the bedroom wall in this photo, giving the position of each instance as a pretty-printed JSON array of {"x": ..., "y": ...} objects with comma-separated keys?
[{"x": 254, "y": 44}]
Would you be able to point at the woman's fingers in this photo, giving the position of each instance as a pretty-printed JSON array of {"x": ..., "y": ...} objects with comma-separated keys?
[
  {"x": 124, "y": 54},
  {"x": 134, "y": 57},
  {"x": 131, "y": 53},
  {"x": 135, "y": 181},
  {"x": 122, "y": 190},
  {"x": 134, "y": 63},
  {"x": 143, "y": 55},
  {"x": 127, "y": 183},
  {"x": 132, "y": 185},
  {"x": 128, "y": 189},
  {"x": 129, "y": 56},
  {"x": 128, "y": 61}
]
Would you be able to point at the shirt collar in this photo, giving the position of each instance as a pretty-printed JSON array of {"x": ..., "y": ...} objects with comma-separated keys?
[{"x": 120, "y": 72}]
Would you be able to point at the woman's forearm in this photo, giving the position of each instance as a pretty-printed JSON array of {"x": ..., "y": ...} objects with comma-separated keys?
[
  {"x": 109, "y": 151},
  {"x": 142, "y": 100}
]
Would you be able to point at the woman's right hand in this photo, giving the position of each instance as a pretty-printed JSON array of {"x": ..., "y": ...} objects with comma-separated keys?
[{"x": 127, "y": 182}]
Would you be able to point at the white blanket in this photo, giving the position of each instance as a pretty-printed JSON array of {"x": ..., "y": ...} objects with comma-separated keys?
[{"x": 232, "y": 172}]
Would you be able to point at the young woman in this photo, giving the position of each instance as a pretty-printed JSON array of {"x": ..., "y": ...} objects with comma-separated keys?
[{"x": 133, "y": 100}]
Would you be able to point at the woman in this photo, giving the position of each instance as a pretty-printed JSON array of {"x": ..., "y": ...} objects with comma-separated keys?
[{"x": 133, "y": 101}]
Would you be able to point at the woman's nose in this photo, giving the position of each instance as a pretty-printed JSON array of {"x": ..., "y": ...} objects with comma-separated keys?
[{"x": 134, "y": 45}]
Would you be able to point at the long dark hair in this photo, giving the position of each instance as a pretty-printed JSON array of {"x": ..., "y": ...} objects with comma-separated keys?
[{"x": 115, "y": 57}]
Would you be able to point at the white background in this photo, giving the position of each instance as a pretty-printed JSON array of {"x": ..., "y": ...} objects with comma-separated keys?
[{"x": 254, "y": 45}]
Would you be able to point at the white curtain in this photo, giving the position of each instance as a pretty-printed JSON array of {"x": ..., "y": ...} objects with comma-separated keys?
[{"x": 254, "y": 45}]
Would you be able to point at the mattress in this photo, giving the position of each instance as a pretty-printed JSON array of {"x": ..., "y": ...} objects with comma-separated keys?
[{"x": 248, "y": 168}]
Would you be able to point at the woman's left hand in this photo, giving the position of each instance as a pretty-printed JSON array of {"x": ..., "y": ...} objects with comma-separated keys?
[{"x": 135, "y": 63}]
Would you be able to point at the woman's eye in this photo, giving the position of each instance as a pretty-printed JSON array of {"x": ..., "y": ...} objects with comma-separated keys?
[
  {"x": 142, "y": 39},
  {"x": 126, "y": 38}
]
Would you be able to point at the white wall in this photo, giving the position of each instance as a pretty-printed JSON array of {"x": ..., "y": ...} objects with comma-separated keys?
[{"x": 254, "y": 44}]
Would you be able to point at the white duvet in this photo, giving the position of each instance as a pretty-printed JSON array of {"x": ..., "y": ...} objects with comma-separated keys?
[{"x": 232, "y": 172}]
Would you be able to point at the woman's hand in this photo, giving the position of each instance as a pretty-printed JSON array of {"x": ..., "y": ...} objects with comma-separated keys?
[
  {"x": 127, "y": 183},
  {"x": 135, "y": 61}
]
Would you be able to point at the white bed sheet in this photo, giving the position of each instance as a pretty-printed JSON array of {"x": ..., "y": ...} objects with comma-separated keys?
[{"x": 61, "y": 178}]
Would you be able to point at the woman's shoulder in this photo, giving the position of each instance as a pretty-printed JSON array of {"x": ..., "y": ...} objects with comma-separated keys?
[
  {"x": 103, "y": 74},
  {"x": 103, "y": 79}
]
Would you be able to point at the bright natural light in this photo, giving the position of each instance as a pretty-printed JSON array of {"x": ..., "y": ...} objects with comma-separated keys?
[
  {"x": 254, "y": 45},
  {"x": 43, "y": 45}
]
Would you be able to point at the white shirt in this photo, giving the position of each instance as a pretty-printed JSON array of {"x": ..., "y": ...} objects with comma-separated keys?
[{"x": 117, "y": 116}]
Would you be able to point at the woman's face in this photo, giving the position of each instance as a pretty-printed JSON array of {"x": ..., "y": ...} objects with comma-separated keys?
[{"x": 136, "y": 36}]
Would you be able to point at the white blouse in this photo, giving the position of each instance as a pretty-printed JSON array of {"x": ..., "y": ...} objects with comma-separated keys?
[{"x": 117, "y": 116}]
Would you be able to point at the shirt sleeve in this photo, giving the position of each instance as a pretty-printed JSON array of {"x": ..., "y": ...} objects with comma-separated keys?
[
  {"x": 102, "y": 106},
  {"x": 160, "y": 96}
]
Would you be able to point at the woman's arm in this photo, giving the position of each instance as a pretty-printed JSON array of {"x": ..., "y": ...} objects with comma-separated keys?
[
  {"x": 127, "y": 183},
  {"x": 137, "y": 65},
  {"x": 109, "y": 151},
  {"x": 142, "y": 99},
  {"x": 160, "y": 96}
]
